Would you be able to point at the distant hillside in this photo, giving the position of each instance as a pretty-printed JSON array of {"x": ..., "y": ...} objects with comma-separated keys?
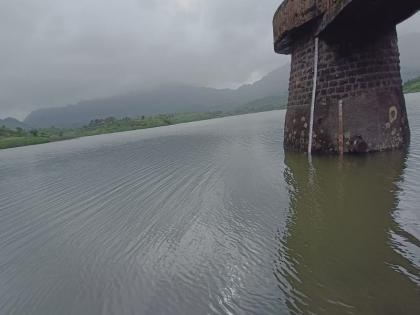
[
  {"x": 263, "y": 104},
  {"x": 412, "y": 86},
  {"x": 12, "y": 123},
  {"x": 165, "y": 100},
  {"x": 176, "y": 99}
]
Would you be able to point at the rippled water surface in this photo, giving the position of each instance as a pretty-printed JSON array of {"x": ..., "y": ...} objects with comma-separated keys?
[{"x": 208, "y": 218}]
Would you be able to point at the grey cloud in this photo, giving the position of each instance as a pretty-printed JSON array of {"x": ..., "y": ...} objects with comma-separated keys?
[{"x": 56, "y": 52}]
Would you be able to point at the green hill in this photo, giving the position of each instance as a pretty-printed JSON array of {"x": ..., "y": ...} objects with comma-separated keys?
[
  {"x": 12, "y": 123},
  {"x": 10, "y": 138},
  {"x": 167, "y": 100},
  {"x": 412, "y": 86}
]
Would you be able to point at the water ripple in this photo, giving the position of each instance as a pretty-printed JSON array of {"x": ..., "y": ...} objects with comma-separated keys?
[{"x": 205, "y": 218}]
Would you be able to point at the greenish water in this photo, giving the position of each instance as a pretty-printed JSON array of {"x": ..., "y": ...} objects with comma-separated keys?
[
  {"x": 348, "y": 247},
  {"x": 209, "y": 217}
]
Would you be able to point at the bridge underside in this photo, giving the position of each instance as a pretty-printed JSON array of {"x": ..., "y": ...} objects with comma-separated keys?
[
  {"x": 358, "y": 67},
  {"x": 347, "y": 16}
]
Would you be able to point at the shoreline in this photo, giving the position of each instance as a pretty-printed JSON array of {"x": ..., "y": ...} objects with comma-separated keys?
[
  {"x": 116, "y": 127},
  {"x": 25, "y": 141}
]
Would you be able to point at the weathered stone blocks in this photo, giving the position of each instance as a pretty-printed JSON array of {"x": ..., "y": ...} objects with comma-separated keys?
[{"x": 358, "y": 65}]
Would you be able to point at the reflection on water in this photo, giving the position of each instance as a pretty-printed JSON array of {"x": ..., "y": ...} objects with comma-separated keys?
[{"x": 342, "y": 251}]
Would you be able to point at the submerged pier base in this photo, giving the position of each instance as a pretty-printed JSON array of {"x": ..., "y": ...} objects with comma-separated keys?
[{"x": 344, "y": 54}]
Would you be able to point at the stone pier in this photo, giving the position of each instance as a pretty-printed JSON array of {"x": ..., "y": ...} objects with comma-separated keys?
[{"x": 344, "y": 53}]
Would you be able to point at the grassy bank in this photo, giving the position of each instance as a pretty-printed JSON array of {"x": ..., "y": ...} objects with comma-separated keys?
[
  {"x": 412, "y": 86},
  {"x": 19, "y": 137},
  {"x": 21, "y": 141}
]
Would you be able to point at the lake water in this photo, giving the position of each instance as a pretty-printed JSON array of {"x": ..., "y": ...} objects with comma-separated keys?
[{"x": 208, "y": 218}]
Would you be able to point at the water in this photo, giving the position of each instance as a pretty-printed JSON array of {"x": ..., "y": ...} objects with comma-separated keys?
[{"x": 208, "y": 218}]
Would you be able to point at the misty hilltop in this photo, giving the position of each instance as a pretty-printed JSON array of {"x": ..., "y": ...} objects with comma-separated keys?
[
  {"x": 165, "y": 100},
  {"x": 183, "y": 98},
  {"x": 12, "y": 123}
]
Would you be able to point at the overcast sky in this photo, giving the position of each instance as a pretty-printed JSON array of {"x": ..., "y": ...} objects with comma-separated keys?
[{"x": 57, "y": 52}]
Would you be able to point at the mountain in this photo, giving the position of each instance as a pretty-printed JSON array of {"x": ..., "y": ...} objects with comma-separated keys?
[
  {"x": 172, "y": 99},
  {"x": 275, "y": 83},
  {"x": 164, "y": 100},
  {"x": 12, "y": 123},
  {"x": 262, "y": 104}
]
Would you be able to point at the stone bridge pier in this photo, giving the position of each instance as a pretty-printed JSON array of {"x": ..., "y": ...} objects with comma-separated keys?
[{"x": 345, "y": 90}]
